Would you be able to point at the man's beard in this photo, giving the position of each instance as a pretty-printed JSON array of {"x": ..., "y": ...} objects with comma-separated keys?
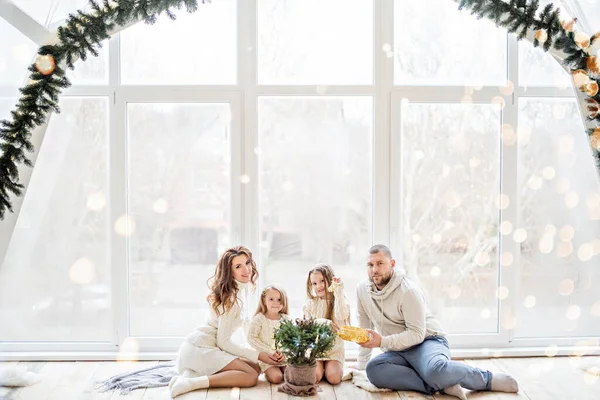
[{"x": 384, "y": 280}]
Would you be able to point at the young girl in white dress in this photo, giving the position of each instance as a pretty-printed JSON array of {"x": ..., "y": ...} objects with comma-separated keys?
[
  {"x": 273, "y": 306},
  {"x": 326, "y": 300},
  {"x": 208, "y": 357}
]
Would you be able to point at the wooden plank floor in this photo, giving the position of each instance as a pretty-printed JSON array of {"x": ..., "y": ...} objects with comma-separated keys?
[{"x": 539, "y": 378}]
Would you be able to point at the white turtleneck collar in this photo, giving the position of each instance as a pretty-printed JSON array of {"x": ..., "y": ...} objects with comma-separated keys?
[{"x": 241, "y": 285}]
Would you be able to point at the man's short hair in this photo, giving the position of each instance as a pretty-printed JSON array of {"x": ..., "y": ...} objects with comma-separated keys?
[{"x": 381, "y": 248}]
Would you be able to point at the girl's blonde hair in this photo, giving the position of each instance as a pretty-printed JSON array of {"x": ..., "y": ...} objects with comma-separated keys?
[
  {"x": 328, "y": 275},
  {"x": 222, "y": 285},
  {"x": 262, "y": 307}
]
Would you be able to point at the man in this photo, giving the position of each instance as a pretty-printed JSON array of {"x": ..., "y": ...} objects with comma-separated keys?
[{"x": 415, "y": 355}]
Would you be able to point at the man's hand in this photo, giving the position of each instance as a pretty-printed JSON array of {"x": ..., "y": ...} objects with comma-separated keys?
[{"x": 374, "y": 342}]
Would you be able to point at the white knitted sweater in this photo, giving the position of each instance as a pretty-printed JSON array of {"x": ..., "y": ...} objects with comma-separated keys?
[
  {"x": 317, "y": 308},
  {"x": 217, "y": 330},
  {"x": 260, "y": 333}
]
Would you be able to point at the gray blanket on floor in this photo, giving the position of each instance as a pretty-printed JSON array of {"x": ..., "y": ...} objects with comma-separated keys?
[{"x": 155, "y": 376}]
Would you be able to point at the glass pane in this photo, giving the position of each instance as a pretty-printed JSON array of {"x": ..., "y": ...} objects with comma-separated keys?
[
  {"x": 93, "y": 71},
  {"x": 538, "y": 68},
  {"x": 303, "y": 42},
  {"x": 55, "y": 280},
  {"x": 47, "y": 12},
  {"x": 198, "y": 48},
  {"x": 16, "y": 54},
  {"x": 460, "y": 51},
  {"x": 179, "y": 201},
  {"x": 450, "y": 187},
  {"x": 559, "y": 204},
  {"x": 590, "y": 13},
  {"x": 316, "y": 164},
  {"x": 6, "y": 105}
]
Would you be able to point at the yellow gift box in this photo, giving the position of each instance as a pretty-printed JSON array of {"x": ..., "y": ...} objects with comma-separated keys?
[{"x": 353, "y": 334}]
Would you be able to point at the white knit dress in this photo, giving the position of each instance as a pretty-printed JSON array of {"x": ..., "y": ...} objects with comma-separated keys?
[
  {"x": 317, "y": 308},
  {"x": 260, "y": 336},
  {"x": 209, "y": 348}
]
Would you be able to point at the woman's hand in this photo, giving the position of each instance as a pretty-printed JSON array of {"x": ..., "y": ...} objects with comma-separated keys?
[
  {"x": 335, "y": 327},
  {"x": 267, "y": 358}
]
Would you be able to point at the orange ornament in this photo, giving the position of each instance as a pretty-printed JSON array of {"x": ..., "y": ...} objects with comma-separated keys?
[
  {"x": 580, "y": 78},
  {"x": 582, "y": 40},
  {"x": 593, "y": 65},
  {"x": 541, "y": 35},
  {"x": 569, "y": 26},
  {"x": 45, "y": 64},
  {"x": 591, "y": 89},
  {"x": 595, "y": 138},
  {"x": 593, "y": 108}
]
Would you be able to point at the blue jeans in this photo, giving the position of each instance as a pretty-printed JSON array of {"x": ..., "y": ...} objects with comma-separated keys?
[{"x": 425, "y": 368}]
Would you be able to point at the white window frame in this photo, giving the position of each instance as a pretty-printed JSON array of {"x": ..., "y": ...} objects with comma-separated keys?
[{"x": 243, "y": 98}]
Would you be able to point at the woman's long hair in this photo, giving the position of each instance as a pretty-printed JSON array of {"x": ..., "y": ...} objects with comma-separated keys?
[
  {"x": 222, "y": 285},
  {"x": 328, "y": 275}
]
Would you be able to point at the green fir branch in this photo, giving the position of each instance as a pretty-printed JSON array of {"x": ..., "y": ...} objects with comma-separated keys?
[{"x": 303, "y": 341}]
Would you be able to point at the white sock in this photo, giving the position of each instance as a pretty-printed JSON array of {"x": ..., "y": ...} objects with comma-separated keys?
[
  {"x": 456, "y": 391},
  {"x": 180, "y": 385},
  {"x": 504, "y": 383}
]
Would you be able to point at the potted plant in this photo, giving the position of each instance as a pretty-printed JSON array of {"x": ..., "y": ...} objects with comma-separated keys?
[{"x": 302, "y": 342}]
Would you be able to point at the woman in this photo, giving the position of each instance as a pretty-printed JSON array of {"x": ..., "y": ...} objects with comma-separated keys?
[{"x": 208, "y": 357}]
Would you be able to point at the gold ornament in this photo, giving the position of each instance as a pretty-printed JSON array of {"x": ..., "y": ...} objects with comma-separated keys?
[
  {"x": 591, "y": 89},
  {"x": 593, "y": 108},
  {"x": 334, "y": 285},
  {"x": 541, "y": 35},
  {"x": 569, "y": 26},
  {"x": 595, "y": 138},
  {"x": 582, "y": 40},
  {"x": 580, "y": 78},
  {"x": 45, "y": 64},
  {"x": 593, "y": 65},
  {"x": 353, "y": 334}
]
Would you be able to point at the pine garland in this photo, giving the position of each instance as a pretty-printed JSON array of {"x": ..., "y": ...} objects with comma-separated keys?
[
  {"x": 80, "y": 36},
  {"x": 520, "y": 17},
  {"x": 83, "y": 33},
  {"x": 304, "y": 341}
]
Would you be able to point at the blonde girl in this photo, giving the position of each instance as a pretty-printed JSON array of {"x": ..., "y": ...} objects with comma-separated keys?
[
  {"x": 273, "y": 306},
  {"x": 326, "y": 300}
]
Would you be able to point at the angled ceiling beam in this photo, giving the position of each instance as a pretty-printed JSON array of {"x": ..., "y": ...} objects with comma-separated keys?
[
  {"x": 7, "y": 226},
  {"x": 23, "y": 22}
]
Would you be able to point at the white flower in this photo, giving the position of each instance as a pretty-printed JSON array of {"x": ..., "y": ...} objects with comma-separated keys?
[{"x": 307, "y": 353}]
